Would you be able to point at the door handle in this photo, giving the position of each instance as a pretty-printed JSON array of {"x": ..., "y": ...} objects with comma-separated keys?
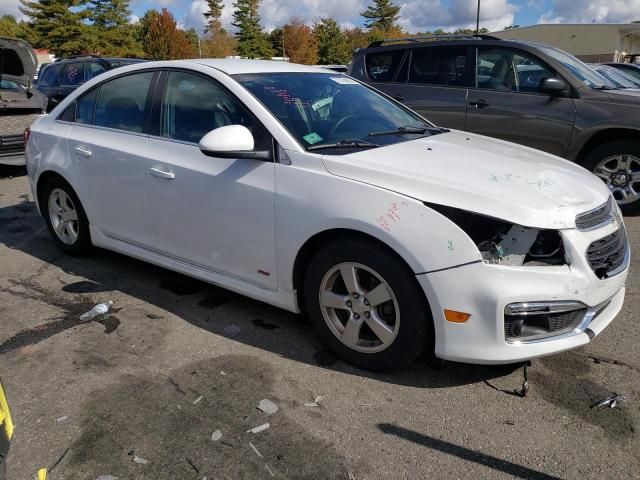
[
  {"x": 83, "y": 151},
  {"x": 398, "y": 97},
  {"x": 156, "y": 172},
  {"x": 479, "y": 103}
]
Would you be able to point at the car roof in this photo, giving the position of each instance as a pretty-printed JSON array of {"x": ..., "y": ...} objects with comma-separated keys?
[{"x": 233, "y": 66}]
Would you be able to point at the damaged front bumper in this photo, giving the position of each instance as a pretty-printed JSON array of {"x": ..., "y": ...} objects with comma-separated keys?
[{"x": 495, "y": 294}]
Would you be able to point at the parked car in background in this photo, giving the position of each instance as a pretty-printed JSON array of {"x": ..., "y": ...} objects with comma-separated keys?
[
  {"x": 19, "y": 103},
  {"x": 58, "y": 79},
  {"x": 631, "y": 69},
  {"x": 619, "y": 78},
  {"x": 309, "y": 190},
  {"x": 336, "y": 68},
  {"x": 6, "y": 432},
  {"x": 523, "y": 92}
]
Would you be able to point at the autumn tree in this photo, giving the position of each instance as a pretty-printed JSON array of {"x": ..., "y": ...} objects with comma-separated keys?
[
  {"x": 59, "y": 25},
  {"x": 383, "y": 14},
  {"x": 217, "y": 42},
  {"x": 357, "y": 38},
  {"x": 162, "y": 38},
  {"x": 252, "y": 41},
  {"x": 299, "y": 42},
  {"x": 333, "y": 43}
]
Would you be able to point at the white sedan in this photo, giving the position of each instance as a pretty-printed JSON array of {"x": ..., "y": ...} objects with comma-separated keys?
[{"x": 308, "y": 190}]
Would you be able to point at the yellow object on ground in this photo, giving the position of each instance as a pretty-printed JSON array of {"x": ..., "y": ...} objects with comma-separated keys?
[
  {"x": 5, "y": 416},
  {"x": 42, "y": 474}
]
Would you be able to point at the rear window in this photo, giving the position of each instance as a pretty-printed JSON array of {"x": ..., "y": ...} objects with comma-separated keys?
[
  {"x": 73, "y": 74},
  {"x": 382, "y": 65},
  {"x": 438, "y": 66},
  {"x": 49, "y": 77}
]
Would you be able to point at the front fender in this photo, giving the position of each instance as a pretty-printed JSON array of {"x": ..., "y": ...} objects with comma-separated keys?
[{"x": 307, "y": 205}]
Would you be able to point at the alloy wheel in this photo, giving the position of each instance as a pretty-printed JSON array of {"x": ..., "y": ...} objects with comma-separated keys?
[
  {"x": 359, "y": 307},
  {"x": 63, "y": 216},
  {"x": 621, "y": 173}
]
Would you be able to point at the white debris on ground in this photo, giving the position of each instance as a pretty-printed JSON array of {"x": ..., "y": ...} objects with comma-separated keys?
[
  {"x": 255, "y": 449},
  {"x": 99, "y": 309},
  {"x": 259, "y": 428},
  {"x": 107, "y": 477},
  {"x": 217, "y": 435},
  {"x": 269, "y": 470},
  {"x": 315, "y": 403},
  {"x": 140, "y": 460},
  {"x": 222, "y": 372},
  {"x": 267, "y": 406},
  {"x": 231, "y": 330},
  {"x": 198, "y": 399},
  {"x": 61, "y": 419}
]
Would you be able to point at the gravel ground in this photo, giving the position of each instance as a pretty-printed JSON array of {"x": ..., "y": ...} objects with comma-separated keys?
[{"x": 157, "y": 377}]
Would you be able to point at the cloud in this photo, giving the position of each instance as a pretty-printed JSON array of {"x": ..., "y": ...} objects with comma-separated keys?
[
  {"x": 426, "y": 15},
  {"x": 590, "y": 11},
  {"x": 11, "y": 7}
]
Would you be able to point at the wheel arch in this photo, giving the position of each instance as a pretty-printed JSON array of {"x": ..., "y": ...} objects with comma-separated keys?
[
  {"x": 603, "y": 136},
  {"x": 43, "y": 178},
  {"x": 317, "y": 241}
]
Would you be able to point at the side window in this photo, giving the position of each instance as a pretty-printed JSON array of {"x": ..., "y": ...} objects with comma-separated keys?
[
  {"x": 69, "y": 114},
  {"x": 510, "y": 70},
  {"x": 438, "y": 66},
  {"x": 192, "y": 106},
  {"x": 86, "y": 106},
  {"x": 50, "y": 77},
  {"x": 72, "y": 74},
  {"x": 381, "y": 66},
  {"x": 121, "y": 102},
  {"x": 93, "y": 69}
]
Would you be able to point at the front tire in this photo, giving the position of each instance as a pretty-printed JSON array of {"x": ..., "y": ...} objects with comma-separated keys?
[
  {"x": 617, "y": 163},
  {"x": 366, "y": 305},
  {"x": 65, "y": 218}
]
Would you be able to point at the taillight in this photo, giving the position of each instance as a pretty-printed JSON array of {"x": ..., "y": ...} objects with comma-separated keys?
[{"x": 26, "y": 135}]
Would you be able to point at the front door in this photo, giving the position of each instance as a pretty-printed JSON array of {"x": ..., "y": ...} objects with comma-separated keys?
[
  {"x": 107, "y": 145},
  {"x": 213, "y": 213},
  {"x": 506, "y": 102}
]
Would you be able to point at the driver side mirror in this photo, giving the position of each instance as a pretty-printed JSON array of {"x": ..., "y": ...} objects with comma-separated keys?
[
  {"x": 232, "y": 141},
  {"x": 552, "y": 86}
]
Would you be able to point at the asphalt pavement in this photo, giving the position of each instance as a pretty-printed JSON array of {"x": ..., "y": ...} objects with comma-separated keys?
[{"x": 178, "y": 360}]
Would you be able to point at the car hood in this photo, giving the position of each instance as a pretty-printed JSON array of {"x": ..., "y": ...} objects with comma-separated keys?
[
  {"x": 18, "y": 60},
  {"x": 479, "y": 174}
]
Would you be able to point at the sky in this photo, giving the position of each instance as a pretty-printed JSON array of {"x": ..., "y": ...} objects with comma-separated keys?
[{"x": 416, "y": 15}]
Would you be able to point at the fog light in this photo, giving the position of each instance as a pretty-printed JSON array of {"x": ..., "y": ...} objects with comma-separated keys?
[
  {"x": 535, "y": 320},
  {"x": 456, "y": 317}
]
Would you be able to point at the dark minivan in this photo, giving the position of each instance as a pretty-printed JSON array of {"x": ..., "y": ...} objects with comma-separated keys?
[
  {"x": 58, "y": 79},
  {"x": 523, "y": 92}
]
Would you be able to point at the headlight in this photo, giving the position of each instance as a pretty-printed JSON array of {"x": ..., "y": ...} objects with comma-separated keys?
[{"x": 505, "y": 243}]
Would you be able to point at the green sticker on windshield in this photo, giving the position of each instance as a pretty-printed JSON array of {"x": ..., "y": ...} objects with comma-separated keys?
[{"x": 312, "y": 138}]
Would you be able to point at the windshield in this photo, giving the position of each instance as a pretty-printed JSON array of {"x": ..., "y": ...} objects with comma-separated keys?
[
  {"x": 585, "y": 74},
  {"x": 333, "y": 110},
  {"x": 618, "y": 78}
]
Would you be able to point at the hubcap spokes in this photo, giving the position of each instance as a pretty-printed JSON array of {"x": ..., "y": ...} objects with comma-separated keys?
[
  {"x": 622, "y": 174},
  {"x": 359, "y": 307},
  {"x": 63, "y": 215}
]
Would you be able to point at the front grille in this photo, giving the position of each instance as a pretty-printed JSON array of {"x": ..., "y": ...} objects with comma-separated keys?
[
  {"x": 596, "y": 217},
  {"x": 11, "y": 144},
  {"x": 543, "y": 324},
  {"x": 606, "y": 255}
]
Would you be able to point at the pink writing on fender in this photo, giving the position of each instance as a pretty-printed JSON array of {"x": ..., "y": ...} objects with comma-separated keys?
[{"x": 391, "y": 215}]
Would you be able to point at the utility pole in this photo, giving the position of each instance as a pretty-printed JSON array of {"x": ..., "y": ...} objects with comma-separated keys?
[{"x": 478, "y": 20}]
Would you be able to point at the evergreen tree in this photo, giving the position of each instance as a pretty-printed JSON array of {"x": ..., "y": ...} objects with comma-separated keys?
[
  {"x": 252, "y": 42},
  {"x": 213, "y": 15},
  {"x": 333, "y": 44},
  {"x": 112, "y": 34},
  {"x": 58, "y": 24},
  {"x": 275, "y": 38},
  {"x": 383, "y": 14}
]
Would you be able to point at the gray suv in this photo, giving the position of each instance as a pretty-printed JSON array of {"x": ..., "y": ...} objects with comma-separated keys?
[{"x": 523, "y": 92}]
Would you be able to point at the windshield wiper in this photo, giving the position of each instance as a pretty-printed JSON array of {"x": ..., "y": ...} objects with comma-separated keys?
[
  {"x": 351, "y": 143},
  {"x": 410, "y": 130}
]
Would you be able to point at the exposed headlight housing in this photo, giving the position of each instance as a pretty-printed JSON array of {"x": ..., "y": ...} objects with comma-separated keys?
[{"x": 504, "y": 243}]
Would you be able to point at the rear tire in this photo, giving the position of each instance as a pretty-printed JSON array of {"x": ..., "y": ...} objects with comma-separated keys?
[
  {"x": 617, "y": 163},
  {"x": 65, "y": 217},
  {"x": 386, "y": 324}
]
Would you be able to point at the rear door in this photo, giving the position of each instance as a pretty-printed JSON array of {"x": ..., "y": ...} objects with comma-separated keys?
[
  {"x": 437, "y": 85},
  {"x": 506, "y": 101},
  {"x": 107, "y": 145}
]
